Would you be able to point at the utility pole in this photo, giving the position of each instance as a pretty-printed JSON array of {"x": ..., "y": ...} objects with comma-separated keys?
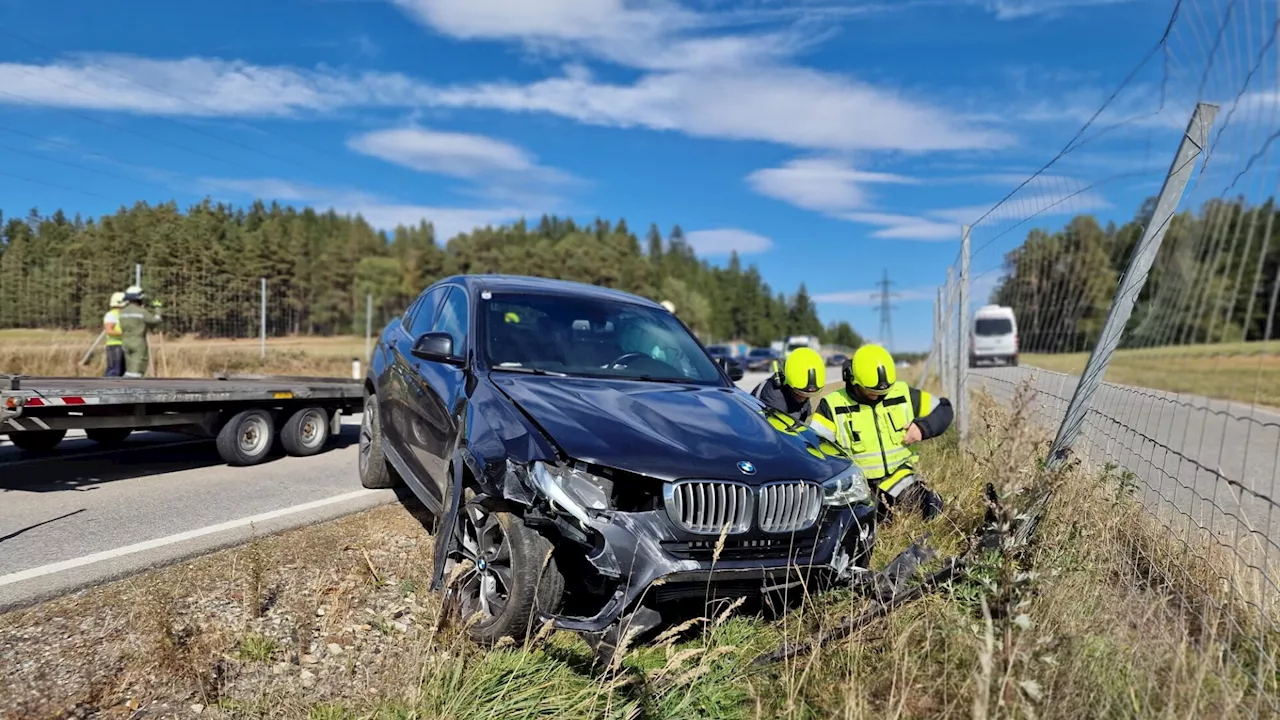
[{"x": 886, "y": 312}]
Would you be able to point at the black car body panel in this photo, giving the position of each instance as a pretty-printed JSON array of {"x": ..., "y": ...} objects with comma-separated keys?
[
  {"x": 664, "y": 431},
  {"x": 447, "y": 424}
]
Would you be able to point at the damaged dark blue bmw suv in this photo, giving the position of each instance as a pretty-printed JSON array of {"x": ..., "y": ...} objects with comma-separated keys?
[{"x": 591, "y": 464}]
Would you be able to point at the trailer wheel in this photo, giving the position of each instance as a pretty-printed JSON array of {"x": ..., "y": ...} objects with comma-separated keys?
[
  {"x": 305, "y": 432},
  {"x": 108, "y": 436},
  {"x": 246, "y": 438},
  {"x": 37, "y": 440}
]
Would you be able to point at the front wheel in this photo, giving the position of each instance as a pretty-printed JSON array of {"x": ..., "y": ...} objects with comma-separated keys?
[
  {"x": 510, "y": 574},
  {"x": 247, "y": 438}
]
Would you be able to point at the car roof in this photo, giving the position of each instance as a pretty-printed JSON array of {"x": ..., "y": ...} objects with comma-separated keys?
[
  {"x": 525, "y": 283},
  {"x": 994, "y": 311}
]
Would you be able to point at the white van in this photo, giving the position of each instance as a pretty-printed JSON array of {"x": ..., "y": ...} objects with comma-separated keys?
[{"x": 995, "y": 336}]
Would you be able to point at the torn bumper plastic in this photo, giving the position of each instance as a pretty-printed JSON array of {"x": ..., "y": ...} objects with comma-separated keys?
[{"x": 647, "y": 556}]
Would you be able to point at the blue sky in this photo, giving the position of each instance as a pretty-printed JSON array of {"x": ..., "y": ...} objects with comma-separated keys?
[{"x": 825, "y": 140}]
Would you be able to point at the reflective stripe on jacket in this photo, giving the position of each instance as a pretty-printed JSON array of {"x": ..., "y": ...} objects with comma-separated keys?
[{"x": 872, "y": 433}]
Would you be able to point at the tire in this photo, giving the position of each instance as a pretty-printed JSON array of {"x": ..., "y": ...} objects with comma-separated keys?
[
  {"x": 306, "y": 432},
  {"x": 375, "y": 472},
  {"x": 1013, "y": 361},
  {"x": 108, "y": 436},
  {"x": 246, "y": 438},
  {"x": 530, "y": 585},
  {"x": 37, "y": 440}
]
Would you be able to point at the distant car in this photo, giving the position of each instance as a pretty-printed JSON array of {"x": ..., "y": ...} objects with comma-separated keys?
[
  {"x": 837, "y": 360},
  {"x": 995, "y": 336},
  {"x": 724, "y": 355},
  {"x": 759, "y": 359}
]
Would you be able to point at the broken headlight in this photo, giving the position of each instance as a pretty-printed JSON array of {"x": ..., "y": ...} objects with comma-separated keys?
[
  {"x": 574, "y": 491},
  {"x": 847, "y": 488}
]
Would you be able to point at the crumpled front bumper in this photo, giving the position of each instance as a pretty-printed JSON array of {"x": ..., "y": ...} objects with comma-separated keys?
[{"x": 639, "y": 549}]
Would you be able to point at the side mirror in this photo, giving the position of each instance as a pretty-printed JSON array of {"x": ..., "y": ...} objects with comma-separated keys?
[
  {"x": 436, "y": 347},
  {"x": 734, "y": 371}
]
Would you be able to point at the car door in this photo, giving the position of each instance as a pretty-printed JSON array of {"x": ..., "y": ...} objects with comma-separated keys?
[
  {"x": 397, "y": 426},
  {"x": 437, "y": 396}
]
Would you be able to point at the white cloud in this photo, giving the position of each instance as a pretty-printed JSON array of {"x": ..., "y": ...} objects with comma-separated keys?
[
  {"x": 382, "y": 213},
  {"x": 653, "y": 36},
  {"x": 1018, "y": 9},
  {"x": 448, "y": 153},
  {"x": 822, "y": 184},
  {"x": 786, "y": 105},
  {"x": 834, "y": 187},
  {"x": 873, "y": 297},
  {"x": 905, "y": 227},
  {"x": 722, "y": 241}
]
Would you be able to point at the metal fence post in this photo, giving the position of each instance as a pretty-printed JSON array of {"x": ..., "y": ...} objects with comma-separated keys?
[
  {"x": 961, "y": 399},
  {"x": 137, "y": 274},
  {"x": 262, "y": 330},
  {"x": 948, "y": 348},
  {"x": 1135, "y": 276},
  {"x": 368, "y": 327}
]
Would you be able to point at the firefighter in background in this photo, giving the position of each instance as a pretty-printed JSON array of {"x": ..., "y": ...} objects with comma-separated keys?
[
  {"x": 115, "y": 339},
  {"x": 136, "y": 320},
  {"x": 876, "y": 418}
]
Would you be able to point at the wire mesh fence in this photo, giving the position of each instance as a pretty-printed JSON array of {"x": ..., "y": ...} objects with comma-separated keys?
[{"x": 1175, "y": 307}]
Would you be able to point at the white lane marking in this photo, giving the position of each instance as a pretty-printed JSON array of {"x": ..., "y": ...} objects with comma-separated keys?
[{"x": 171, "y": 539}]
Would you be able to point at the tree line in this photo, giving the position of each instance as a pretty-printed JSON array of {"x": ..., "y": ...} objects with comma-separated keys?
[
  {"x": 1214, "y": 279},
  {"x": 206, "y": 265}
]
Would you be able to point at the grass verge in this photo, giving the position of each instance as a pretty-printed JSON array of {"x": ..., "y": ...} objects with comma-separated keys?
[
  {"x": 36, "y": 352},
  {"x": 1100, "y": 614},
  {"x": 1243, "y": 372}
]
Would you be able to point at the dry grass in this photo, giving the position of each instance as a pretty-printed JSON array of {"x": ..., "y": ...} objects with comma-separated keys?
[
  {"x": 1102, "y": 614},
  {"x": 1244, "y": 372},
  {"x": 40, "y": 352}
]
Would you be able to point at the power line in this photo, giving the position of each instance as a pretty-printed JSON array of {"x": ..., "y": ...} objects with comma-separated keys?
[{"x": 886, "y": 311}]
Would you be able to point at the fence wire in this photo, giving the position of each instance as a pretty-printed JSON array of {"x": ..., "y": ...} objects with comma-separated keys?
[{"x": 1188, "y": 410}]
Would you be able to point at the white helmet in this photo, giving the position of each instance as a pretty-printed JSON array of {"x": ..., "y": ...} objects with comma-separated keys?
[
  {"x": 133, "y": 292},
  {"x": 117, "y": 299},
  {"x": 670, "y": 306}
]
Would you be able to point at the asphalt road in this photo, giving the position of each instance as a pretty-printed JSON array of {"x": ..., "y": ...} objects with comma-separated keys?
[
  {"x": 82, "y": 516},
  {"x": 1202, "y": 464}
]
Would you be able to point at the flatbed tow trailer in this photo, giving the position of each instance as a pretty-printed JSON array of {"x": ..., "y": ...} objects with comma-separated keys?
[{"x": 244, "y": 413}]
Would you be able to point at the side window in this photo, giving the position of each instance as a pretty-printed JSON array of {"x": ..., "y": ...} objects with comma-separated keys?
[
  {"x": 453, "y": 319},
  {"x": 420, "y": 322}
]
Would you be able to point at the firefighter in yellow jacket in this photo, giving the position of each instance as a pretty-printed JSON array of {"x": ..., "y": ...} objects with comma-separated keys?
[{"x": 876, "y": 418}]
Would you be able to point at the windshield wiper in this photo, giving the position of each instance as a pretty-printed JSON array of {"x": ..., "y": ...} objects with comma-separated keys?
[{"x": 530, "y": 371}]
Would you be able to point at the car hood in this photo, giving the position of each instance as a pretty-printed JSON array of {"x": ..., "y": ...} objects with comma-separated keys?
[{"x": 667, "y": 431}]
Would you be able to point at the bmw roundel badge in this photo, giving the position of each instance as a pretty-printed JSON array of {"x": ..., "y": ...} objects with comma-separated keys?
[{"x": 747, "y": 468}]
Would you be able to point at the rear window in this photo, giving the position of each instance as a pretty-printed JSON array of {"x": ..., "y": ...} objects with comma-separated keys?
[
  {"x": 760, "y": 353},
  {"x": 993, "y": 326},
  {"x": 718, "y": 350}
]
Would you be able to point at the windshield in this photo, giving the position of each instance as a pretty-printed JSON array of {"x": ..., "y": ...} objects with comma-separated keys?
[
  {"x": 760, "y": 352},
  {"x": 591, "y": 337},
  {"x": 717, "y": 350},
  {"x": 992, "y": 326}
]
